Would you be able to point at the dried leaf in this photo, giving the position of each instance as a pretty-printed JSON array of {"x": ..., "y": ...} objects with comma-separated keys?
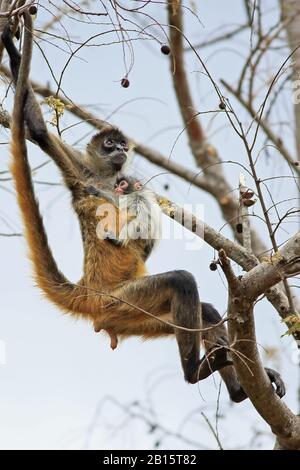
[
  {"x": 57, "y": 106},
  {"x": 294, "y": 322}
]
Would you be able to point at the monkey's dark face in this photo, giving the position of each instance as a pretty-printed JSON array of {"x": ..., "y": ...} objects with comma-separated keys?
[
  {"x": 122, "y": 187},
  {"x": 125, "y": 185},
  {"x": 108, "y": 151},
  {"x": 115, "y": 146}
]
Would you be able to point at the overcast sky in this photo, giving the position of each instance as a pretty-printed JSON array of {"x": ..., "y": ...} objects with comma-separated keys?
[{"x": 57, "y": 371}]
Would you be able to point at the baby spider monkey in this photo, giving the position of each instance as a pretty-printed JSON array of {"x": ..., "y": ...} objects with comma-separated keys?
[
  {"x": 139, "y": 215},
  {"x": 126, "y": 185}
]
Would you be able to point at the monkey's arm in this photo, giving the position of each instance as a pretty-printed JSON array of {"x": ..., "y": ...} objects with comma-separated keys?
[
  {"x": 93, "y": 191},
  {"x": 63, "y": 155},
  {"x": 111, "y": 232}
]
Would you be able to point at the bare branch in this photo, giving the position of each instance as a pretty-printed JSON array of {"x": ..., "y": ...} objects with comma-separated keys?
[
  {"x": 277, "y": 141},
  {"x": 242, "y": 337},
  {"x": 284, "y": 263},
  {"x": 245, "y": 200}
]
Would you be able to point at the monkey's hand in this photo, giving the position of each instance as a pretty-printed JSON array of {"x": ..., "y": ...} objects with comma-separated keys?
[
  {"x": 111, "y": 237},
  {"x": 277, "y": 381},
  {"x": 92, "y": 191}
]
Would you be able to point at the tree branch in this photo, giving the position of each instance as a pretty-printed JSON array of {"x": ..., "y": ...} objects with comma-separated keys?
[
  {"x": 277, "y": 141},
  {"x": 284, "y": 424},
  {"x": 283, "y": 264}
]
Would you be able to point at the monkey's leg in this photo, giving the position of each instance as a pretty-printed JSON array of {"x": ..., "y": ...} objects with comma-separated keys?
[
  {"x": 172, "y": 297},
  {"x": 217, "y": 338}
]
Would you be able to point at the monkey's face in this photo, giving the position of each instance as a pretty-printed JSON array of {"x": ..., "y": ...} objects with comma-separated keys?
[
  {"x": 109, "y": 150},
  {"x": 126, "y": 186},
  {"x": 115, "y": 146},
  {"x": 122, "y": 187}
]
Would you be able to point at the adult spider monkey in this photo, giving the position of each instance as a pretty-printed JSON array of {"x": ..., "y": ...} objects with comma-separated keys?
[{"x": 118, "y": 272}]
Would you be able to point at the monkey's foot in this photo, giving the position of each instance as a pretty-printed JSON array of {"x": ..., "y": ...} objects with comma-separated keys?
[
  {"x": 277, "y": 381},
  {"x": 215, "y": 359},
  {"x": 112, "y": 335},
  {"x": 237, "y": 393}
]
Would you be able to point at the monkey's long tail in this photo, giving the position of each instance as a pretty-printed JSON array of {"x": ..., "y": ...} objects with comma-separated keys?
[{"x": 57, "y": 288}]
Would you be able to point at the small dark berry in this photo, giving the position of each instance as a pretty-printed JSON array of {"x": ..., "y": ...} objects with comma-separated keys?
[
  {"x": 248, "y": 194},
  {"x": 165, "y": 49},
  {"x": 222, "y": 105},
  {"x": 296, "y": 163},
  {"x": 248, "y": 202},
  {"x": 239, "y": 228},
  {"x": 125, "y": 82},
  {"x": 213, "y": 266},
  {"x": 32, "y": 10}
]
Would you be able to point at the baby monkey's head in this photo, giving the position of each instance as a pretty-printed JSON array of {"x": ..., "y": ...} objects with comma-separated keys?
[{"x": 126, "y": 185}]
